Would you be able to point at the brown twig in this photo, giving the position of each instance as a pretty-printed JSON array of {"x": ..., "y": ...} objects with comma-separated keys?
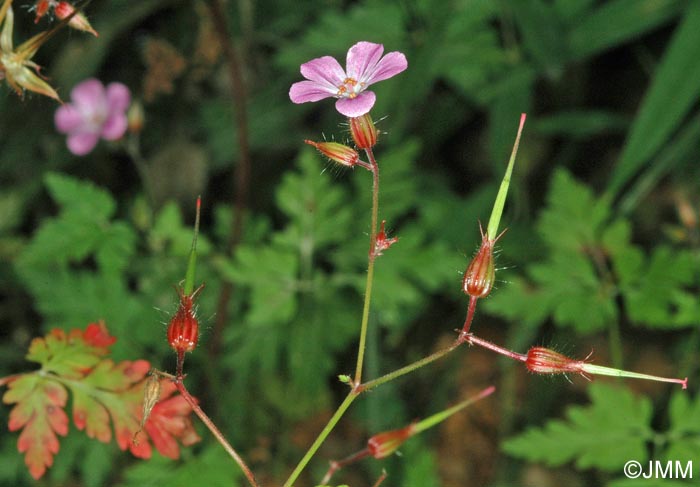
[
  {"x": 215, "y": 431},
  {"x": 241, "y": 173}
]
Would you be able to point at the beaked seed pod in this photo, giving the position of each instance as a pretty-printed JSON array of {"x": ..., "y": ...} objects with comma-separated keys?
[
  {"x": 183, "y": 329},
  {"x": 479, "y": 276}
]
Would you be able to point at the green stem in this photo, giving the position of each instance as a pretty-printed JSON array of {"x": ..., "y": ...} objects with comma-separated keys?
[
  {"x": 408, "y": 368},
  {"x": 356, "y": 391},
  {"x": 322, "y": 437},
  {"x": 370, "y": 266}
]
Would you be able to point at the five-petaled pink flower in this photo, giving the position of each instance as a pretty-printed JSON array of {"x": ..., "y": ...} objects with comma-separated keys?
[
  {"x": 365, "y": 66},
  {"x": 95, "y": 112}
]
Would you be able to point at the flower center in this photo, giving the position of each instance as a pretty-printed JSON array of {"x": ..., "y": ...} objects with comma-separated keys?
[{"x": 350, "y": 88}]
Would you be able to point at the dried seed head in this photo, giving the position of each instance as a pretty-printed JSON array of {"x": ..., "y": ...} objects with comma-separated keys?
[{"x": 151, "y": 396}]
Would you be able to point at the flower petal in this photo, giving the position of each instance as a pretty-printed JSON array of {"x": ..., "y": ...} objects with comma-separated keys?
[
  {"x": 90, "y": 94},
  {"x": 362, "y": 58},
  {"x": 358, "y": 106},
  {"x": 325, "y": 71},
  {"x": 118, "y": 97},
  {"x": 304, "y": 91},
  {"x": 114, "y": 127},
  {"x": 82, "y": 143},
  {"x": 390, "y": 65},
  {"x": 67, "y": 119}
]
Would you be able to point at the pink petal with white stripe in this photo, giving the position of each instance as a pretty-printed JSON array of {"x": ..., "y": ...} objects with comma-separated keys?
[{"x": 362, "y": 58}]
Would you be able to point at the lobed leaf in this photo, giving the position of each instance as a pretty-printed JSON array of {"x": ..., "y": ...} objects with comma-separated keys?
[
  {"x": 104, "y": 394},
  {"x": 654, "y": 287},
  {"x": 71, "y": 354},
  {"x": 39, "y": 413},
  {"x": 684, "y": 430},
  {"x": 593, "y": 435}
]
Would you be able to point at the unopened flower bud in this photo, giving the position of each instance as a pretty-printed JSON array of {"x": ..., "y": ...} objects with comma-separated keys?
[
  {"x": 363, "y": 131},
  {"x": 382, "y": 241},
  {"x": 135, "y": 117},
  {"x": 78, "y": 21},
  {"x": 340, "y": 153},
  {"x": 481, "y": 272},
  {"x": 384, "y": 444},
  {"x": 183, "y": 329},
  {"x": 686, "y": 213}
]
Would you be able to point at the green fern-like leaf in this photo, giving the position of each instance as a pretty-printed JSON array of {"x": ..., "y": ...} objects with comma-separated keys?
[
  {"x": 613, "y": 429},
  {"x": 654, "y": 288}
]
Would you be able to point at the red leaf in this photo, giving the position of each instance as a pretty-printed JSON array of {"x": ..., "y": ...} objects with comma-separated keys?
[
  {"x": 169, "y": 422},
  {"x": 101, "y": 389},
  {"x": 40, "y": 413},
  {"x": 96, "y": 335},
  {"x": 117, "y": 396}
]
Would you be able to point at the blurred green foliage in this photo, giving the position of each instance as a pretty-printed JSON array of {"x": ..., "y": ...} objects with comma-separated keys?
[{"x": 603, "y": 248}]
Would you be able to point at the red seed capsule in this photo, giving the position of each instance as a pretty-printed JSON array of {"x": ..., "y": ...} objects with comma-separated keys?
[
  {"x": 183, "y": 329},
  {"x": 542, "y": 360},
  {"x": 384, "y": 444},
  {"x": 479, "y": 276}
]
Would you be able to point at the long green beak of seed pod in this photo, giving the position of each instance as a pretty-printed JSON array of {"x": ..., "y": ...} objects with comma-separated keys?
[
  {"x": 431, "y": 421},
  {"x": 495, "y": 220},
  {"x": 192, "y": 261}
]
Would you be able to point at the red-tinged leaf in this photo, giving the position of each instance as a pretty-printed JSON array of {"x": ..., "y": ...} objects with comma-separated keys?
[
  {"x": 102, "y": 391},
  {"x": 91, "y": 416},
  {"x": 73, "y": 354},
  {"x": 39, "y": 404},
  {"x": 96, "y": 334},
  {"x": 169, "y": 422},
  {"x": 107, "y": 391}
]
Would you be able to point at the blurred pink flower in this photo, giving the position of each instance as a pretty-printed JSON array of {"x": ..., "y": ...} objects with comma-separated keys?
[
  {"x": 95, "y": 112},
  {"x": 364, "y": 66}
]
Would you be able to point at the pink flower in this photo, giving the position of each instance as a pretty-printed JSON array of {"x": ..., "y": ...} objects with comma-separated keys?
[
  {"x": 94, "y": 112},
  {"x": 364, "y": 66}
]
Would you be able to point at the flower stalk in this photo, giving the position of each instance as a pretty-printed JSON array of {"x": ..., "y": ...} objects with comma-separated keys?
[{"x": 370, "y": 266}]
